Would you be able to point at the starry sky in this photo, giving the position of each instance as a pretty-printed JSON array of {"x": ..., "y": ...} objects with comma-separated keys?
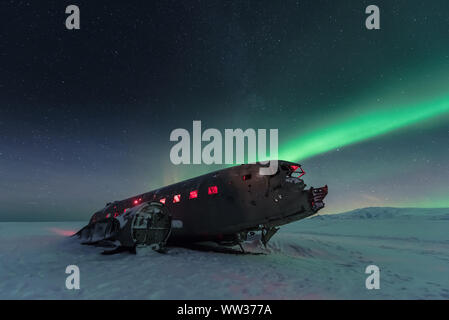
[{"x": 86, "y": 115}]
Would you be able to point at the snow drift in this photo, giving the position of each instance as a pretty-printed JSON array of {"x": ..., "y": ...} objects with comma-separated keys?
[{"x": 323, "y": 257}]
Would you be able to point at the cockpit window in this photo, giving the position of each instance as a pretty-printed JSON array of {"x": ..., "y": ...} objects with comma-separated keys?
[{"x": 297, "y": 172}]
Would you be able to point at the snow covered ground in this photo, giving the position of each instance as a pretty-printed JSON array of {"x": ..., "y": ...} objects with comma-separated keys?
[{"x": 319, "y": 258}]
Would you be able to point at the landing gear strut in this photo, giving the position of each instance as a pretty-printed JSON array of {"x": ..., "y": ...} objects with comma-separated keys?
[
  {"x": 263, "y": 234},
  {"x": 267, "y": 234}
]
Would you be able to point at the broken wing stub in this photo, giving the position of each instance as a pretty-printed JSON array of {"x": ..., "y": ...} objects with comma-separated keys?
[{"x": 148, "y": 224}]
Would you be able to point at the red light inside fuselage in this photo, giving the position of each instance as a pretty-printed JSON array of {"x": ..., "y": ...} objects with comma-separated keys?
[
  {"x": 193, "y": 194},
  {"x": 162, "y": 200},
  {"x": 213, "y": 190},
  {"x": 177, "y": 198},
  {"x": 298, "y": 172},
  {"x": 137, "y": 201}
]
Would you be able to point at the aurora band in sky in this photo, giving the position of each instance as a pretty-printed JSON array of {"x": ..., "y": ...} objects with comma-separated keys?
[{"x": 371, "y": 123}]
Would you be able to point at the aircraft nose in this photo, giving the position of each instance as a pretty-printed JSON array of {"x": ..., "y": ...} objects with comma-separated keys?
[{"x": 318, "y": 195}]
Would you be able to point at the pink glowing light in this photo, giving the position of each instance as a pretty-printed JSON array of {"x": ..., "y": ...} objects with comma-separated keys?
[{"x": 62, "y": 232}]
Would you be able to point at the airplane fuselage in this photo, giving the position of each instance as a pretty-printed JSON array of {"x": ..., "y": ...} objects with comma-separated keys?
[{"x": 221, "y": 205}]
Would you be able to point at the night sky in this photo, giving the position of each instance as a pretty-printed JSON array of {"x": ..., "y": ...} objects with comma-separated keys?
[{"x": 86, "y": 115}]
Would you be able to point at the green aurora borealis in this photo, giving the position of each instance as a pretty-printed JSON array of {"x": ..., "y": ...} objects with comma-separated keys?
[
  {"x": 370, "y": 124},
  {"x": 85, "y": 117}
]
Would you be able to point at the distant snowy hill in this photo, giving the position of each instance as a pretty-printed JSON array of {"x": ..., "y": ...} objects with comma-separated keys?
[
  {"x": 386, "y": 213},
  {"x": 323, "y": 257}
]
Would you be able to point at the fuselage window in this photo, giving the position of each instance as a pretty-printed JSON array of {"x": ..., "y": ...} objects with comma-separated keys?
[
  {"x": 193, "y": 194},
  {"x": 213, "y": 190}
]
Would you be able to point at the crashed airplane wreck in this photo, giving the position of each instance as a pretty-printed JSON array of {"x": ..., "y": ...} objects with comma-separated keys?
[{"x": 228, "y": 207}]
